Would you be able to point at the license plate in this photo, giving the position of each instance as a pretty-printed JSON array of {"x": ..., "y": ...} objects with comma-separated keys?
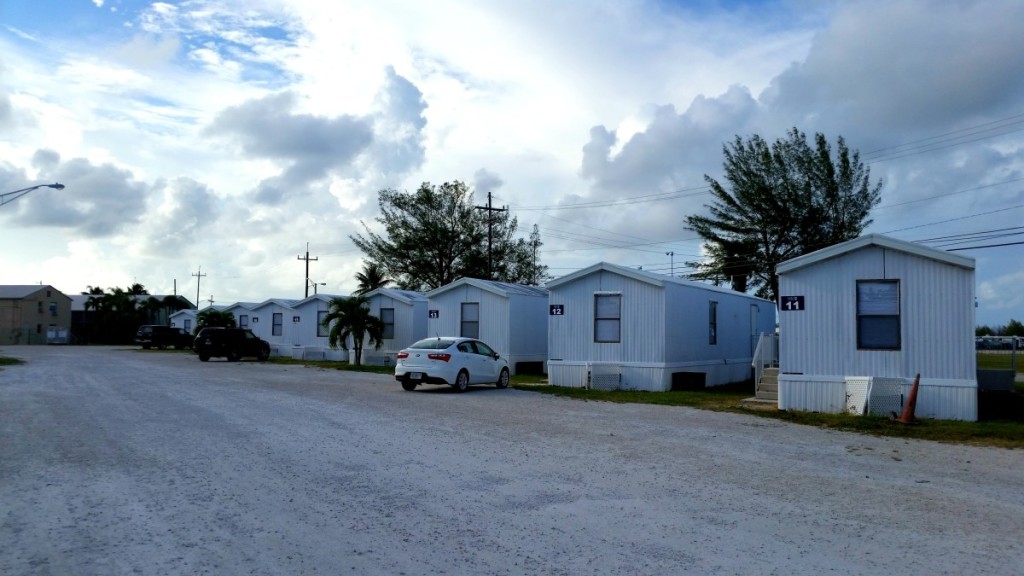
[{"x": 415, "y": 375}]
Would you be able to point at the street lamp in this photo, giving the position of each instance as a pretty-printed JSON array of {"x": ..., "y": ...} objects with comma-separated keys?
[
  {"x": 11, "y": 196},
  {"x": 315, "y": 284}
]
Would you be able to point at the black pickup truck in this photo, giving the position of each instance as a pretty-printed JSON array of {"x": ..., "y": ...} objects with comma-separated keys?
[{"x": 157, "y": 336}]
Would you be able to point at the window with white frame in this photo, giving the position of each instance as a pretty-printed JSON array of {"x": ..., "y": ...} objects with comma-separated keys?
[
  {"x": 878, "y": 315},
  {"x": 608, "y": 318},
  {"x": 470, "y": 326},
  {"x": 322, "y": 330},
  {"x": 387, "y": 316},
  {"x": 188, "y": 325},
  {"x": 278, "y": 324},
  {"x": 243, "y": 321}
]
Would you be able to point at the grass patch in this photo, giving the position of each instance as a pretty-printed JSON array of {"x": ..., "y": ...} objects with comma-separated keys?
[
  {"x": 6, "y": 361},
  {"x": 1000, "y": 362},
  {"x": 1004, "y": 434}
]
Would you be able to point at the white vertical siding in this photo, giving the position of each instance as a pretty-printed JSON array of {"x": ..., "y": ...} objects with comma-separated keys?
[
  {"x": 812, "y": 393},
  {"x": 688, "y": 328},
  {"x": 265, "y": 327},
  {"x": 664, "y": 329},
  {"x": 304, "y": 332},
  {"x": 936, "y": 331},
  {"x": 936, "y": 317},
  {"x": 494, "y": 315},
  {"x": 936, "y": 398},
  {"x": 410, "y": 326},
  {"x": 513, "y": 319},
  {"x": 528, "y": 330},
  {"x": 571, "y": 336}
]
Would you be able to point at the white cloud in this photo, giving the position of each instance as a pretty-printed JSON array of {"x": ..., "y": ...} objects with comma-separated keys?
[{"x": 182, "y": 116}]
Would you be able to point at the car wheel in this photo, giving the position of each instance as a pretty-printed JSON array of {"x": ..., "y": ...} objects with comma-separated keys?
[
  {"x": 263, "y": 356},
  {"x": 204, "y": 357},
  {"x": 233, "y": 356},
  {"x": 462, "y": 381},
  {"x": 503, "y": 379},
  {"x": 145, "y": 346},
  {"x": 408, "y": 385}
]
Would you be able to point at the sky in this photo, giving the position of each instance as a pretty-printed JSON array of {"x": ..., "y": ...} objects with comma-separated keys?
[{"x": 205, "y": 145}]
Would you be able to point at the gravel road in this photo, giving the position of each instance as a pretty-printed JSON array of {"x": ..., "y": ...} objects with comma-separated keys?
[{"x": 119, "y": 461}]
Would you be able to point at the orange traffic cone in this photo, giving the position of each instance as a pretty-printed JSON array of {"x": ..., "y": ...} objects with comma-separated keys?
[{"x": 908, "y": 410}]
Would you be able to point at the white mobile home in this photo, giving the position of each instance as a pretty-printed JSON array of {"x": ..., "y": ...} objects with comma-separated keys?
[
  {"x": 511, "y": 318},
  {"x": 616, "y": 327},
  {"x": 404, "y": 314},
  {"x": 242, "y": 311},
  {"x": 862, "y": 318},
  {"x": 309, "y": 337},
  {"x": 271, "y": 321},
  {"x": 185, "y": 319}
]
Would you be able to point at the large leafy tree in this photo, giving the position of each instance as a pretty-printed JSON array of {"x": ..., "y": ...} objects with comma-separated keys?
[
  {"x": 436, "y": 235},
  {"x": 351, "y": 317},
  {"x": 779, "y": 201}
]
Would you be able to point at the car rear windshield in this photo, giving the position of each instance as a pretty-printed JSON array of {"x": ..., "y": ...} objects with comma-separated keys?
[{"x": 433, "y": 344}]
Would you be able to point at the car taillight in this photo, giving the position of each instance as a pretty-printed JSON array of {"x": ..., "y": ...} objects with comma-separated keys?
[
  {"x": 402, "y": 355},
  {"x": 439, "y": 356}
]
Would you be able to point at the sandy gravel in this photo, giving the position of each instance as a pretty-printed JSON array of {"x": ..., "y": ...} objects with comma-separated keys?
[{"x": 118, "y": 461}]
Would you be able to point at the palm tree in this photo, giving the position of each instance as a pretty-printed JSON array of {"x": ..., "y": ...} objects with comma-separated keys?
[
  {"x": 372, "y": 277},
  {"x": 351, "y": 317},
  {"x": 151, "y": 308},
  {"x": 214, "y": 318}
]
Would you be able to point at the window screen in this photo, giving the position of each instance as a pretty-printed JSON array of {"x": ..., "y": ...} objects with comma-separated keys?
[
  {"x": 470, "y": 320},
  {"x": 243, "y": 321},
  {"x": 607, "y": 317},
  {"x": 878, "y": 314},
  {"x": 387, "y": 316},
  {"x": 278, "y": 321},
  {"x": 322, "y": 330}
]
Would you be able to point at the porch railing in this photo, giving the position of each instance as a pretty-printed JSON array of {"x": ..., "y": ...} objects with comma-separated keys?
[{"x": 766, "y": 355}]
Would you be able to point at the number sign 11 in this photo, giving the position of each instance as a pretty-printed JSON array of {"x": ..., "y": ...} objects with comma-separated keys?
[{"x": 791, "y": 303}]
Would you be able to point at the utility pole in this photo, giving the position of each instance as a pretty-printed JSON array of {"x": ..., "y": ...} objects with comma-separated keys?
[
  {"x": 672, "y": 263},
  {"x": 490, "y": 228},
  {"x": 199, "y": 276},
  {"x": 307, "y": 259}
]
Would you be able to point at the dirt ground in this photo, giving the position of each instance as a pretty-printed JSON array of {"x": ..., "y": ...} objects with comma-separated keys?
[{"x": 119, "y": 461}]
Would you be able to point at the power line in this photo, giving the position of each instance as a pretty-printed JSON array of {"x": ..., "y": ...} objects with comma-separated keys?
[{"x": 950, "y": 139}]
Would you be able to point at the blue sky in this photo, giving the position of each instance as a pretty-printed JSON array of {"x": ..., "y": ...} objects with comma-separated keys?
[{"x": 228, "y": 134}]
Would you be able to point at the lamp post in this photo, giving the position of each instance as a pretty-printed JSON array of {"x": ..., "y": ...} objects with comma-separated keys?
[
  {"x": 671, "y": 263},
  {"x": 11, "y": 196},
  {"x": 314, "y": 285}
]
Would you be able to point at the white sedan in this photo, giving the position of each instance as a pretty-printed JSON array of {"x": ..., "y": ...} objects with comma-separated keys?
[{"x": 457, "y": 362}]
